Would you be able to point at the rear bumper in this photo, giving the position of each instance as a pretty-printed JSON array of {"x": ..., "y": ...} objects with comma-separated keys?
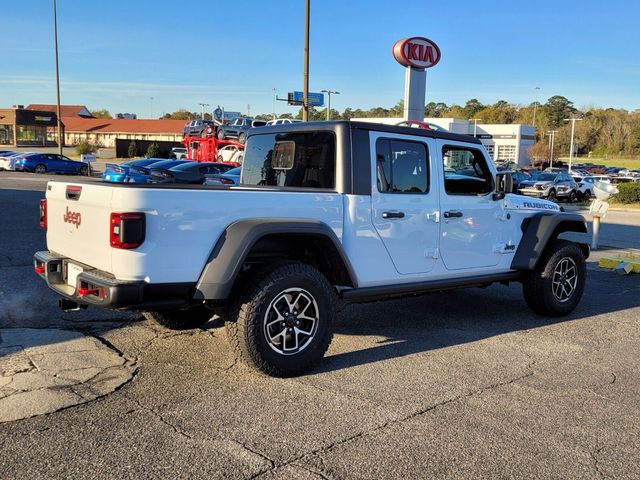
[{"x": 100, "y": 289}]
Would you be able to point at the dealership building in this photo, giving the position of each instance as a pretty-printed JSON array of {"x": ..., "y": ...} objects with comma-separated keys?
[{"x": 504, "y": 142}]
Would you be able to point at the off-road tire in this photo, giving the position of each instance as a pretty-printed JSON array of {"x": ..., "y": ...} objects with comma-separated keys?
[
  {"x": 220, "y": 135},
  {"x": 250, "y": 307},
  {"x": 181, "y": 319},
  {"x": 40, "y": 168},
  {"x": 537, "y": 285}
]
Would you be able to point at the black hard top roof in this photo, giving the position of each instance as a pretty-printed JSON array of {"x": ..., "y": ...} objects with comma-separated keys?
[{"x": 377, "y": 127}]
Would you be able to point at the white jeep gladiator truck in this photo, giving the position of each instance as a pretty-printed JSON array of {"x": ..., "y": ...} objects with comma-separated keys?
[{"x": 326, "y": 213}]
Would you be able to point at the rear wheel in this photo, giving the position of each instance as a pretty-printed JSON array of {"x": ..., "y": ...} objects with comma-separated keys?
[
  {"x": 40, "y": 168},
  {"x": 555, "y": 286},
  {"x": 552, "y": 195},
  {"x": 182, "y": 319},
  {"x": 282, "y": 320}
]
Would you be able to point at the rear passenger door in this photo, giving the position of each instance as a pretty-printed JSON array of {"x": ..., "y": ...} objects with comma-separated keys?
[
  {"x": 404, "y": 198},
  {"x": 471, "y": 225}
]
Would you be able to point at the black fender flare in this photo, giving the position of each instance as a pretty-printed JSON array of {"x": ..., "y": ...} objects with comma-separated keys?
[
  {"x": 539, "y": 230},
  {"x": 235, "y": 243}
]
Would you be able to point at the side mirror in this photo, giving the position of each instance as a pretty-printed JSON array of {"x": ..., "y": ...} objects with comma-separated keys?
[{"x": 504, "y": 185}]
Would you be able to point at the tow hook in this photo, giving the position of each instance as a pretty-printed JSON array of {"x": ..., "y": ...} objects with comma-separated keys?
[{"x": 70, "y": 306}]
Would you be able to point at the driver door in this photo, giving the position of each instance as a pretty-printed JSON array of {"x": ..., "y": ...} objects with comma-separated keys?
[{"x": 471, "y": 225}]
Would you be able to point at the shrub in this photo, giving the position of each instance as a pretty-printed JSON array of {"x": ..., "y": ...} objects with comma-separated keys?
[
  {"x": 629, "y": 193},
  {"x": 133, "y": 149},
  {"x": 153, "y": 151},
  {"x": 85, "y": 147}
]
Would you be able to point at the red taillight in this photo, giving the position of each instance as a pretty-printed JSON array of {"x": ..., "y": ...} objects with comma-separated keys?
[
  {"x": 39, "y": 269},
  {"x": 126, "y": 230},
  {"x": 43, "y": 213}
]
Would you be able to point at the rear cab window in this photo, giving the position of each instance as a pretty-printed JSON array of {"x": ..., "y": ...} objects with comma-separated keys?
[{"x": 293, "y": 160}]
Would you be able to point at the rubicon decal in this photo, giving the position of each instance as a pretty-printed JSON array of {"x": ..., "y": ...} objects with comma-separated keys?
[{"x": 74, "y": 218}]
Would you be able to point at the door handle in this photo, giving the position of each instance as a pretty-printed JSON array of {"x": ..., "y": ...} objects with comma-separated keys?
[
  {"x": 392, "y": 214},
  {"x": 452, "y": 214}
]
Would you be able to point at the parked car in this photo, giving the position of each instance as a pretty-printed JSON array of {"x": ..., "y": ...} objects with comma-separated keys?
[
  {"x": 124, "y": 172},
  {"x": 230, "y": 154},
  {"x": 49, "y": 163},
  {"x": 188, "y": 172},
  {"x": 231, "y": 177},
  {"x": 178, "y": 153},
  {"x": 197, "y": 128},
  {"x": 551, "y": 186},
  {"x": 282, "y": 121},
  {"x": 8, "y": 160},
  {"x": 239, "y": 128},
  {"x": 585, "y": 186},
  {"x": 518, "y": 178}
]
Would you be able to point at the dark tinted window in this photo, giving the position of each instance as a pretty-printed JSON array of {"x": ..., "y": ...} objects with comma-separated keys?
[
  {"x": 302, "y": 159},
  {"x": 466, "y": 171},
  {"x": 401, "y": 167}
]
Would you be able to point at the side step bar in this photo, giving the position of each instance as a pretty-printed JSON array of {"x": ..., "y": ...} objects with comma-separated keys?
[{"x": 369, "y": 294}]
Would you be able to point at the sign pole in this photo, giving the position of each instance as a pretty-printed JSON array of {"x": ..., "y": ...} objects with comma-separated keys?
[{"x": 305, "y": 102}]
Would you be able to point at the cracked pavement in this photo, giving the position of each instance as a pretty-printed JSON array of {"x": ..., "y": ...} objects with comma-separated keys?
[{"x": 467, "y": 384}]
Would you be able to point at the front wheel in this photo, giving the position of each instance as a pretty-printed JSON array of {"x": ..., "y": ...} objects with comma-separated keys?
[
  {"x": 83, "y": 171},
  {"x": 552, "y": 195},
  {"x": 182, "y": 319},
  {"x": 220, "y": 134},
  {"x": 282, "y": 324},
  {"x": 586, "y": 196},
  {"x": 554, "y": 288},
  {"x": 572, "y": 196},
  {"x": 242, "y": 138}
]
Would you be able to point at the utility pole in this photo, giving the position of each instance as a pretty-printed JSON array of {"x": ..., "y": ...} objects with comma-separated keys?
[
  {"x": 475, "y": 125},
  {"x": 329, "y": 92},
  {"x": 552, "y": 138},
  {"x": 573, "y": 131},
  {"x": 202, "y": 105},
  {"x": 305, "y": 100},
  {"x": 55, "y": 34},
  {"x": 535, "y": 107}
]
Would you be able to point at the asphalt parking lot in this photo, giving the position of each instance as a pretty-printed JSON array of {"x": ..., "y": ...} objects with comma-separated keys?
[{"x": 467, "y": 384}]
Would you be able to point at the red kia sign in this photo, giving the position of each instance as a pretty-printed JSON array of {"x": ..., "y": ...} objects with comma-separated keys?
[{"x": 416, "y": 52}]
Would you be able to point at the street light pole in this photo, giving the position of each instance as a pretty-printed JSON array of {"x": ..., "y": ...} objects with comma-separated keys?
[
  {"x": 202, "y": 105},
  {"x": 305, "y": 100},
  {"x": 552, "y": 139},
  {"x": 535, "y": 107},
  {"x": 275, "y": 94},
  {"x": 573, "y": 130},
  {"x": 55, "y": 34},
  {"x": 329, "y": 92},
  {"x": 475, "y": 126}
]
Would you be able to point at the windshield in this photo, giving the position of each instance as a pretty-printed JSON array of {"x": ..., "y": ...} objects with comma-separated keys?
[{"x": 546, "y": 177}]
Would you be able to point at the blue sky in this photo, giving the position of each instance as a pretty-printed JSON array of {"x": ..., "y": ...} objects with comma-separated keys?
[{"x": 117, "y": 54}]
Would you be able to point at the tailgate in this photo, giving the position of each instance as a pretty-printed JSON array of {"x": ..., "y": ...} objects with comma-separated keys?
[{"x": 78, "y": 218}]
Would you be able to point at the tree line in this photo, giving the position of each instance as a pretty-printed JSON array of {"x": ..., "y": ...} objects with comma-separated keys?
[{"x": 602, "y": 131}]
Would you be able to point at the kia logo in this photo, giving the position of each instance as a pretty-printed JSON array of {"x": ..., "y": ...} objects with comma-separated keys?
[
  {"x": 416, "y": 52},
  {"x": 74, "y": 218}
]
